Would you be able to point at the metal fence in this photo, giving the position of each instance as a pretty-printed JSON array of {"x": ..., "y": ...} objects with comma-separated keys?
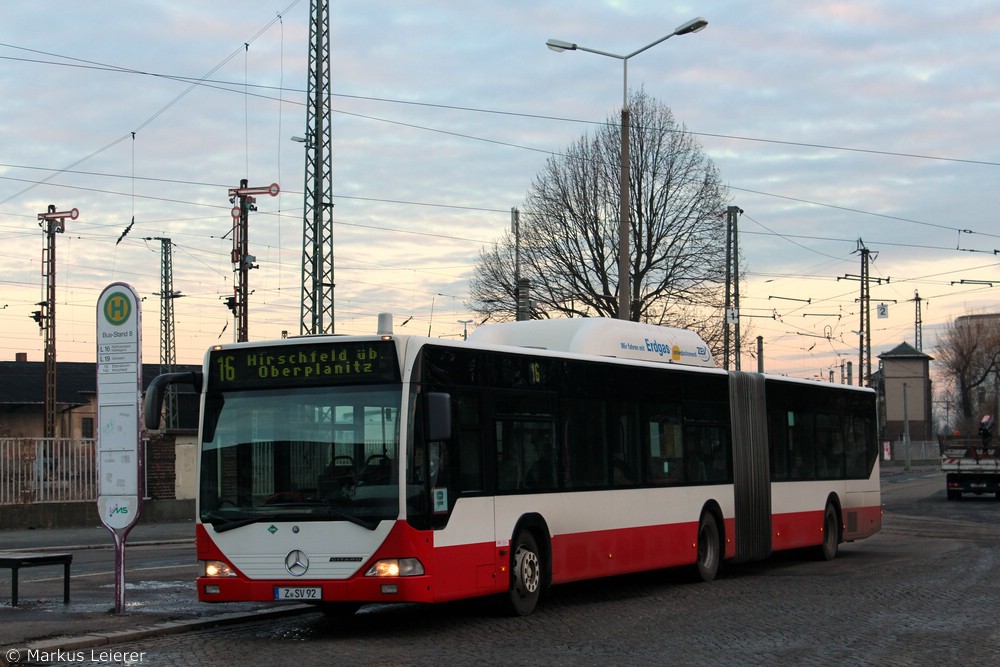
[
  {"x": 47, "y": 470},
  {"x": 920, "y": 450}
]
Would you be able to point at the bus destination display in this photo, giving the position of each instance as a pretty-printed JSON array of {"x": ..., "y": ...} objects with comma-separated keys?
[{"x": 308, "y": 364}]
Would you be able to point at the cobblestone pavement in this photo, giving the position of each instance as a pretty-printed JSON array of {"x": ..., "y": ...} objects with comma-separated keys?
[
  {"x": 892, "y": 600},
  {"x": 920, "y": 593},
  {"x": 159, "y": 591}
]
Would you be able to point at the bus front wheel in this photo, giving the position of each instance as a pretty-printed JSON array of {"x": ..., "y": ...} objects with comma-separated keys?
[
  {"x": 709, "y": 552},
  {"x": 525, "y": 575},
  {"x": 831, "y": 535}
]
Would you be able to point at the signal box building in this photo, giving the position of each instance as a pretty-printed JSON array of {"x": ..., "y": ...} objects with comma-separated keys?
[{"x": 905, "y": 365}]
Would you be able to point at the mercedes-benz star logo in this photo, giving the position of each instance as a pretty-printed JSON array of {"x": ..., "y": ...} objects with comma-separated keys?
[{"x": 296, "y": 562}]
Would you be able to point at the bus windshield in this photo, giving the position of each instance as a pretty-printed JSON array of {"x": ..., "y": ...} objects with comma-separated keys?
[{"x": 300, "y": 454}]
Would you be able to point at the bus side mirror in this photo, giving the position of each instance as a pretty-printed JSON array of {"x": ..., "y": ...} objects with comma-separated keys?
[
  {"x": 153, "y": 403},
  {"x": 438, "y": 417}
]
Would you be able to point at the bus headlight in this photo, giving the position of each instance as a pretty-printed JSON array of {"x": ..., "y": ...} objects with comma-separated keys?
[
  {"x": 396, "y": 567},
  {"x": 216, "y": 568}
]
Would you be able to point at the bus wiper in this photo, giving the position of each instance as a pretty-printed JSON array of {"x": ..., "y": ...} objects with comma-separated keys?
[
  {"x": 222, "y": 523},
  {"x": 328, "y": 506},
  {"x": 370, "y": 525}
]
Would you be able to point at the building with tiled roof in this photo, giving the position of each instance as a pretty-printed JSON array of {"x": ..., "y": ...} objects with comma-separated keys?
[{"x": 22, "y": 398}]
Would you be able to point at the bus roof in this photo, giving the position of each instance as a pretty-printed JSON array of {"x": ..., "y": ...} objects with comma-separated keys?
[{"x": 603, "y": 337}]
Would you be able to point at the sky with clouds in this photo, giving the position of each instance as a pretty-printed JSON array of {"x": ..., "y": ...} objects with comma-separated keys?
[{"x": 829, "y": 122}]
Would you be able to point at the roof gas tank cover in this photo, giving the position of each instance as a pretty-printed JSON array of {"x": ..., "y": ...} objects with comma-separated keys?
[{"x": 604, "y": 337}]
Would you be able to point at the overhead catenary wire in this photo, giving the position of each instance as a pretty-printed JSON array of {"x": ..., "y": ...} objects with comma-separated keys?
[{"x": 783, "y": 236}]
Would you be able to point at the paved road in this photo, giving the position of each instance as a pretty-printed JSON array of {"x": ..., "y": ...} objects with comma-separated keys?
[
  {"x": 923, "y": 592},
  {"x": 160, "y": 571}
]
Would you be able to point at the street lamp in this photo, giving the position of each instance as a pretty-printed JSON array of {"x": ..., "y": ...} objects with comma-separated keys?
[{"x": 694, "y": 25}]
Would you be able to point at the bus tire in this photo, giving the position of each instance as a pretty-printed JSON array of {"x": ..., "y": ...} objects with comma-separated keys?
[
  {"x": 525, "y": 575},
  {"x": 831, "y": 534},
  {"x": 709, "y": 551}
]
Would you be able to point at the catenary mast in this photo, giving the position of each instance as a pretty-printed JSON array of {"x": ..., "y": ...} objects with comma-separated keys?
[{"x": 317, "y": 310}]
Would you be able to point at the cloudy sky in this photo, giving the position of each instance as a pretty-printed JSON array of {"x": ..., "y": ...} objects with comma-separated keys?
[{"x": 830, "y": 122}]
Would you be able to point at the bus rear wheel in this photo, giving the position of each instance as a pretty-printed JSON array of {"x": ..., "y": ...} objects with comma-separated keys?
[
  {"x": 525, "y": 575},
  {"x": 831, "y": 535},
  {"x": 709, "y": 551}
]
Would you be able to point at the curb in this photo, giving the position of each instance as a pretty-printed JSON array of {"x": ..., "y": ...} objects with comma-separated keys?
[
  {"x": 90, "y": 547},
  {"x": 29, "y": 652}
]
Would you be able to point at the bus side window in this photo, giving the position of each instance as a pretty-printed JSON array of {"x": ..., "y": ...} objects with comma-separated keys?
[
  {"x": 664, "y": 449},
  {"x": 525, "y": 455},
  {"x": 855, "y": 440},
  {"x": 694, "y": 465},
  {"x": 778, "y": 444},
  {"x": 717, "y": 467},
  {"x": 469, "y": 442},
  {"x": 802, "y": 446},
  {"x": 584, "y": 445},
  {"x": 624, "y": 475},
  {"x": 539, "y": 455},
  {"x": 624, "y": 423},
  {"x": 470, "y": 461},
  {"x": 508, "y": 457}
]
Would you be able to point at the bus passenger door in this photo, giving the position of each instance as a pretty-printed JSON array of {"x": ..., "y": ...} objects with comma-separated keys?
[{"x": 462, "y": 511}]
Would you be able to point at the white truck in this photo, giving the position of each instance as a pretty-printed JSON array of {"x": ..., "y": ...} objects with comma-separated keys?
[{"x": 970, "y": 467}]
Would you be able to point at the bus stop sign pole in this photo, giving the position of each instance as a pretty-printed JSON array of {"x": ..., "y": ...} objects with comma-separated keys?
[{"x": 119, "y": 441}]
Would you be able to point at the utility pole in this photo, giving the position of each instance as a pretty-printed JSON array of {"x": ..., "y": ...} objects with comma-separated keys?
[
  {"x": 906, "y": 428},
  {"x": 168, "y": 347},
  {"x": 732, "y": 305},
  {"x": 242, "y": 260},
  {"x": 865, "y": 334},
  {"x": 523, "y": 299},
  {"x": 522, "y": 287},
  {"x": 317, "y": 311},
  {"x": 918, "y": 325},
  {"x": 52, "y": 222},
  {"x": 515, "y": 229},
  {"x": 865, "y": 349}
]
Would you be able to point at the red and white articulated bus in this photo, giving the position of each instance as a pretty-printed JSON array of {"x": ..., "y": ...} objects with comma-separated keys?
[{"x": 343, "y": 470}]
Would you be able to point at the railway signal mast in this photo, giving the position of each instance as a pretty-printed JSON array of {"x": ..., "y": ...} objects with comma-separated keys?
[
  {"x": 52, "y": 222},
  {"x": 242, "y": 260}
]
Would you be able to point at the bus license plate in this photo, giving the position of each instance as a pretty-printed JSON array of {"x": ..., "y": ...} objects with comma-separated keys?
[{"x": 298, "y": 593}]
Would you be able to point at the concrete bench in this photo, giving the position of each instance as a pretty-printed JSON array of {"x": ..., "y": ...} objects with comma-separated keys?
[{"x": 16, "y": 560}]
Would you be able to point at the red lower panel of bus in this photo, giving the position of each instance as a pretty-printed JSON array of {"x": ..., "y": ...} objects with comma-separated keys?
[
  {"x": 472, "y": 570},
  {"x": 805, "y": 529},
  {"x": 402, "y": 541},
  {"x": 796, "y": 530},
  {"x": 600, "y": 554},
  {"x": 862, "y": 522}
]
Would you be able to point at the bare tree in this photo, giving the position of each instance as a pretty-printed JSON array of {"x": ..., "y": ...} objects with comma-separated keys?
[
  {"x": 969, "y": 351},
  {"x": 569, "y": 231}
]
